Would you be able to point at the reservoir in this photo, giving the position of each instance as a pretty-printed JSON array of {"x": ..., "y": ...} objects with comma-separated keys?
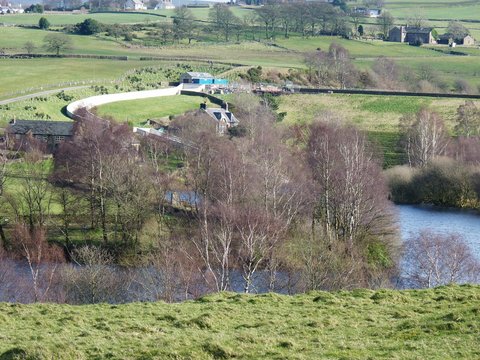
[{"x": 414, "y": 218}]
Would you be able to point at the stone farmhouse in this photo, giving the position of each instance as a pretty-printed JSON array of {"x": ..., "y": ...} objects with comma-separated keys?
[
  {"x": 411, "y": 35},
  {"x": 224, "y": 118},
  {"x": 50, "y": 132}
]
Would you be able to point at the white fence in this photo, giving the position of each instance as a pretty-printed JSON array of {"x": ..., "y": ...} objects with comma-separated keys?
[{"x": 98, "y": 100}]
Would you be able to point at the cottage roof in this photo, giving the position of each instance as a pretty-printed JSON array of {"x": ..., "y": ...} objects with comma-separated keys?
[
  {"x": 448, "y": 36},
  {"x": 138, "y": 2},
  {"x": 199, "y": 75},
  {"x": 417, "y": 30},
  {"x": 220, "y": 113},
  {"x": 41, "y": 127}
]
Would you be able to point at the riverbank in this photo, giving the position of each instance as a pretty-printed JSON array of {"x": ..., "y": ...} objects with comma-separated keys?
[{"x": 435, "y": 324}]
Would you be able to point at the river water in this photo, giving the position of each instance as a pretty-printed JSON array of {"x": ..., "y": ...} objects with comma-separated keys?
[{"x": 413, "y": 219}]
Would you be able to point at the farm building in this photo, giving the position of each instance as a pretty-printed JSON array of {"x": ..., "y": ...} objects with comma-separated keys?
[
  {"x": 201, "y": 78},
  {"x": 165, "y": 4},
  {"x": 373, "y": 13},
  {"x": 50, "y": 132},
  {"x": 411, "y": 35},
  {"x": 448, "y": 39},
  {"x": 135, "y": 5}
]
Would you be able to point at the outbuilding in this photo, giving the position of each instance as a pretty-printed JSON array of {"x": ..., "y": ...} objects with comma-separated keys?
[{"x": 201, "y": 78}]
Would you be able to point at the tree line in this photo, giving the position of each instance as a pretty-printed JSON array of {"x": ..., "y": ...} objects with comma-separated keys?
[
  {"x": 298, "y": 218},
  {"x": 261, "y": 209}
]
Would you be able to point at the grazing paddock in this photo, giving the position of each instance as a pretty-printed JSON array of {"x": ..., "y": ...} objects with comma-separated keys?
[
  {"x": 136, "y": 112},
  {"x": 360, "y": 324},
  {"x": 377, "y": 115}
]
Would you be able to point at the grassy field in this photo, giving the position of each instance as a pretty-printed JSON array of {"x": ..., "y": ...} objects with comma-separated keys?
[
  {"x": 435, "y": 9},
  {"x": 357, "y": 48},
  {"x": 289, "y": 53},
  {"x": 12, "y": 40},
  {"x": 136, "y": 112},
  {"x": 440, "y": 323},
  {"x": 69, "y": 18},
  {"x": 25, "y": 74},
  {"x": 109, "y": 18},
  {"x": 378, "y": 115}
]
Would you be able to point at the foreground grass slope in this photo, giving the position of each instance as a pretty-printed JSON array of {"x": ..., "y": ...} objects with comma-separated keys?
[{"x": 440, "y": 323}]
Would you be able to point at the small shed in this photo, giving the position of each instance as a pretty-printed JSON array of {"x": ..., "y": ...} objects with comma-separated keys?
[{"x": 201, "y": 78}]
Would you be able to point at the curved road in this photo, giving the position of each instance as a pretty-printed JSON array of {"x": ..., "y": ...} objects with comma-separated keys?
[{"x": 41, "y": 93}]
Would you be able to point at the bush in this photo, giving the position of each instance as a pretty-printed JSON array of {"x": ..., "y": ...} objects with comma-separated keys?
[
  {"x": 43, "y": 23},
  {"x": 89, "y": 27},
  {"x": 444, "y": 182},
  {"x": 399, "y": 180}
]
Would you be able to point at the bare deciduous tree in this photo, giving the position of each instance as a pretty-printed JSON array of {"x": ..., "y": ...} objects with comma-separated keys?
[
  {"x": 96, "y": 279},
  {"x": 424, "y": 137},
  {"x": 439, "y": 259},
  {"x": 351, "y": 198},
  {"x": 42, "y": 258}
]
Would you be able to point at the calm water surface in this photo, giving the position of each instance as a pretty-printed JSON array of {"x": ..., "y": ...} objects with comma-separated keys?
[{"x": 413, "y": 219}]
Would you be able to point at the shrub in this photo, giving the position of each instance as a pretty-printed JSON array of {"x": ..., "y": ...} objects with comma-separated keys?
[
  {"x": 89, "y": 27},
  {"x": 43, "y": 23},
  {"x": 399, "y": 180}
]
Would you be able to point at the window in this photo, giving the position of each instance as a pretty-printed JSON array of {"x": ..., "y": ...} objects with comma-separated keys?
[{"x": 58, "y": 138}]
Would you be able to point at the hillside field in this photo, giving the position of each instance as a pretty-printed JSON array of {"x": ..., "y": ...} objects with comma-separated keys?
[
  {"x": 136, "y": 112},
  {"x": 440, "y": 323},
  {"x": 377, "y": 115}
]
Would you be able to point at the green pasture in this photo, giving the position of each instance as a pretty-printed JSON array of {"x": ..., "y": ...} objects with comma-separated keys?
[
  {"x": 31, "y": 75},
  {"x": 441, "y": 323},
  {"x": 136, "y": 112},
  {"x": 432, "y": 9},
  {"x": 13, "y": 39},
  {"x": 69, "y": 18},
  {"x": 446, "y": 68},
  {"x": 377, "y": 115},
  {"x": 357, "y": 48},
  {"x": 435, "y": 9}
]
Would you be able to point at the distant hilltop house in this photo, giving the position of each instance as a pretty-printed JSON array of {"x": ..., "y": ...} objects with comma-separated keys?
[
  {"x": 373, "y": 13},
  {"x": 135, "y": 5},
  {"x": 165, "y": 5},
  {"x": 50, "y": 132},
  {"x": 9, "y": 9},
  {"x": 224, "y": 118},
  {"x": 449, "y": 39},
  {"x": 411, "y": 35},
  {"x": 201, "y": 78}
]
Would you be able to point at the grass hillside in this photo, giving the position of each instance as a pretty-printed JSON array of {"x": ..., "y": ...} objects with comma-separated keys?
[
  {"x": 377, "y": 115},
  {"x": 136, "y": 112},
  {"x": 441, "y": 323}
]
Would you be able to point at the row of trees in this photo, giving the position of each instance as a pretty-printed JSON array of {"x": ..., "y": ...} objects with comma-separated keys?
[
  {"x": 265, "y": 215},
  {"x": 259, "y": 215},
  {"x": 335, "y": 68}
]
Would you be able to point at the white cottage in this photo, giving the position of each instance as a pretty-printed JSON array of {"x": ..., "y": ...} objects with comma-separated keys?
[{"x": 135, "y": 5}]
